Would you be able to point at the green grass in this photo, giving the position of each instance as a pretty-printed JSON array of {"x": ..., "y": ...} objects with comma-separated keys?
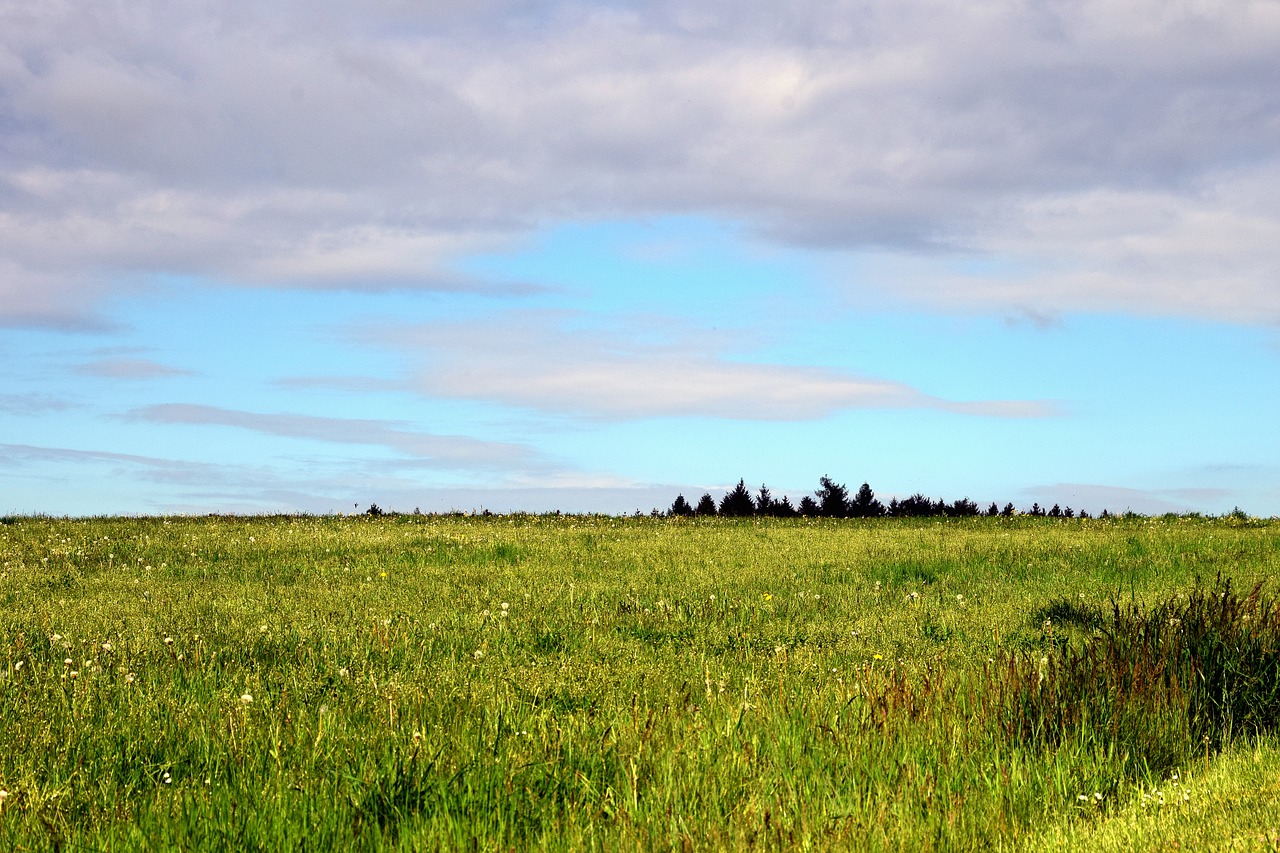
[{"x": 525, "y": 682}]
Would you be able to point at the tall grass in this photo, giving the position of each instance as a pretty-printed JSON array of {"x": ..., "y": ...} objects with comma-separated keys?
[{"x": 594, "y": 683}]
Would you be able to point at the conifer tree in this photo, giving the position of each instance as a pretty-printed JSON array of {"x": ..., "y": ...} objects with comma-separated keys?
[
  {"x": 680, "y": 506},
  {"x": 737, "y": 503},
  {"x": 865, "y": 505},
  {"x": 833, "y": 499}
]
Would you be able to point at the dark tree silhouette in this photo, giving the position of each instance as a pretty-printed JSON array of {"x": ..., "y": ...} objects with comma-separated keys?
[
  {"x": 706, "y": 505},
  {"x": 1036, "y": 509},
  {"x": 1084, "y": 514},
  {"x": 1008, "y": 510},
  {"x": 1056, "y": 512},
  {"x": 917, "y": 505},
  {"x": 680, "y": 506},
  {"x": 865, "y": 505},
  {"x": 764, "y": 501},
  {"x": 737, "y": 503},
  {"x": 993, "y": 510},
  {"x": 962, "y": 508},
  {"x": 833, "y": 499},
  {"x": 1068, "y": 513},
  {"x": 808, "y": 507},
  {"x": 784, "y": 509}
]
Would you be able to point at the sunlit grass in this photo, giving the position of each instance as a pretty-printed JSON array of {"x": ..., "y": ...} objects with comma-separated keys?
[{"x": 567, "y": 683}]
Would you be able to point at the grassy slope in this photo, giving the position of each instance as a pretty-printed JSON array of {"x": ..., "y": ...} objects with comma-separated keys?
[{"x": 654, "y": 683}]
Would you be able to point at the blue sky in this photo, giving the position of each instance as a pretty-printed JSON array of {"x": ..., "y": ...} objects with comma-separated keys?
[{"x": 584, "y": 256}]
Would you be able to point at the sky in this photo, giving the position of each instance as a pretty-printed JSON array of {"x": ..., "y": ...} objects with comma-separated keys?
[{"x": 307, "y": 256}]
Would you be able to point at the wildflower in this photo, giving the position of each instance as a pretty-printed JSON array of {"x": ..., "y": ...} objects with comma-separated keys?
[
  {"x": 262, "y": 629},
  {"x": 106, "y": 647},
  {"x": 246, "y": 698},
  {"x": 4, "y": 795},
  {"x": 168, "y": 780},
  {"x": 877, "y": 657},
  {"x": 767, "y": 597},
  {"x": 75, "y": 673},
  {"x": 344, "y": 672},
  {"x": 382, "y": 575},
  {"x": 1084, "y": 798},
  {"x": 68, "y": 662},
  {"x": 130, "y": 678},
  {"x": 168, "y": 641},
  {"x": 478, "y": 654}
]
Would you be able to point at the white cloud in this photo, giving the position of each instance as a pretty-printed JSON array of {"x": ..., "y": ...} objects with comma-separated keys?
[
  {"x": 443, "y": 451},
  {"x": 370, "y": 145},
  {"x": 541, "y": 361}
]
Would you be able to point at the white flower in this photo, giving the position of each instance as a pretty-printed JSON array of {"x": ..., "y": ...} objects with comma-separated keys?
[
  {"x": 17, "y": 666},
  {"x": 344, "y": 672},
  {"x": 168, "y": 641},
  {"x": 246, "y": 698},
  {"x": 68, "y": 662},
  {"x": 106, "y": 647},
  {"x": 478, "y": 654}
]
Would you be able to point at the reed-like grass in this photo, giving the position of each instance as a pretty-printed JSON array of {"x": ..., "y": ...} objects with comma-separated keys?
[{"x": 594, "y": 683}]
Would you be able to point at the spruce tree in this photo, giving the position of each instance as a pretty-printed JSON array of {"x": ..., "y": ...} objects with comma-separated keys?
[{"x": 737, "y": 503}]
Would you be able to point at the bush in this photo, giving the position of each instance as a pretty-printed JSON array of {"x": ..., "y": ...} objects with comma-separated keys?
[{"x": 1160, "y": 685}]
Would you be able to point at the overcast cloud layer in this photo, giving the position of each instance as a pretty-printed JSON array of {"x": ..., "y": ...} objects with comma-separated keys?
[{"x": 1127, "y": 152}]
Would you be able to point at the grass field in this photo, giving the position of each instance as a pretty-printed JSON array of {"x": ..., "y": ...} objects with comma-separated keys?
[{"x": 421, "y": 683}]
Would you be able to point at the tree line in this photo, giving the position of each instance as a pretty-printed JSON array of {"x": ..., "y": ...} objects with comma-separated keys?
[{"x": 832, "y": 500}]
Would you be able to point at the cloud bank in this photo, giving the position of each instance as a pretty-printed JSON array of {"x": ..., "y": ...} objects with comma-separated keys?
[
  {"x": 1125, "y": 155},
  {"x": 546, "y": 362}
]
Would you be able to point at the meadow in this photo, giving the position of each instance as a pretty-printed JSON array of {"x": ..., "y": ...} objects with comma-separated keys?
[{"x": 577, "y": 683}]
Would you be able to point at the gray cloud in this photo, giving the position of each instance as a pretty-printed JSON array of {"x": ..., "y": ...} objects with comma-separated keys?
[
  {"x": 32, "y": 404},
  {"x": 370, "y": 145},
  {"x": 539, "y": 361},
  {"x": 1151, "y": 501},
  {"x": 129, "y": 368},
  {"x": 442, "y": 451}
]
